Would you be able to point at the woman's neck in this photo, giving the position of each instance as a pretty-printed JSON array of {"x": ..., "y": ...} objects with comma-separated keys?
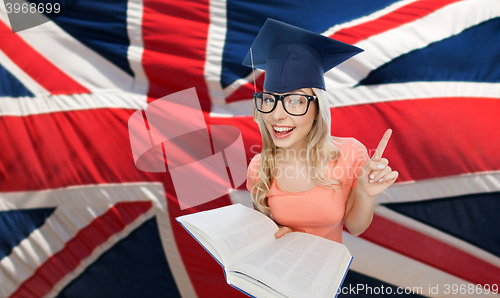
[{"x": 297, "y": 153}]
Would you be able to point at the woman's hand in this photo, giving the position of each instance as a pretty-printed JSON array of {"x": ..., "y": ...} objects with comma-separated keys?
[
  {"x": 282, "y": 231},
  {"x": 376, "y": 176}
]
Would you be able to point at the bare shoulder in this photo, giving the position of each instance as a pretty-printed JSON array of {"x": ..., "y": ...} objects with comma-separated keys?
[
  {"x": 253, "y": 167},
  {"x": 350, "y": 147},
  {"x": 255, "y": 160},
  {"x": 347, "y": 142},
  {"x": 253, "y": 172}
]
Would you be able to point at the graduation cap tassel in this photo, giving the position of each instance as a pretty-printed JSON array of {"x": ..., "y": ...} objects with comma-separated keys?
[{"x": 253, "y": 72}]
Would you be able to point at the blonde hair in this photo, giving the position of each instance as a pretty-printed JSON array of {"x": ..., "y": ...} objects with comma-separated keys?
[{"x": 320, "y": 145}]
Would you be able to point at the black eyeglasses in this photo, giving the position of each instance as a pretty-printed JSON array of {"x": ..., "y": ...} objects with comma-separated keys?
[{"x": 294, "y": 104}]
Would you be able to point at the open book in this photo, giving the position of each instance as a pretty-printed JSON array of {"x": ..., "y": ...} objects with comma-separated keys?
[{"x": 256, "y": 263}]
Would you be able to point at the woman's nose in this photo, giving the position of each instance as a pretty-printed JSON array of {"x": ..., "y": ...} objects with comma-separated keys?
[{"x": 279, "y": 112}]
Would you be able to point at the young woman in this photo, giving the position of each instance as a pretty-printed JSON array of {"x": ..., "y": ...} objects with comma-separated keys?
[{"x": 305, "y": 179}]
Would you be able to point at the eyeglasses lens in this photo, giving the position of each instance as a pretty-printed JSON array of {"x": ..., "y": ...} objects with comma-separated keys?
[{"x": 294, "y": 104}]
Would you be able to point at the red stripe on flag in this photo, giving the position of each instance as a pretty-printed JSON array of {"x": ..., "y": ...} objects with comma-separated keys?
[
  {"x": 60, "y": 149},
  {"x": 430, "y": 251},
  {"x": 37, "y": 66},
  {"x": 431, "y": 138},
  {"x": 403, "y": 15},
  {"x": 92, "y": 146},
  {"x": 206, "y": 275},
  {"x": 246, "y": 91},
  {"x": 55, "y": 150},
  {"x": 175, "y": 40},
  {"x": 80, "y": 247}
]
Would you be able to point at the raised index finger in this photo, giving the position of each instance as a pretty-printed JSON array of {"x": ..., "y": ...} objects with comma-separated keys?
[{"x": 381, "y": 145}]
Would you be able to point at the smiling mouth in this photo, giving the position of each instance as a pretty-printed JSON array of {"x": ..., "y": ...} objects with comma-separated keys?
[{"x": 282, "y": 131}]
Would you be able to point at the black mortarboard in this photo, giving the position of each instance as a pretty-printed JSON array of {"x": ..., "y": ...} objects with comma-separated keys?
[{"x": 295, "y": 58}]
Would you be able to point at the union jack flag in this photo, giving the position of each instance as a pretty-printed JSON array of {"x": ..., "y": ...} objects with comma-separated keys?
[{"x": 78, "y": 219}]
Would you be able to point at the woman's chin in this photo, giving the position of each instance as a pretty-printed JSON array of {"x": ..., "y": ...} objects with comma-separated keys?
[{"x": 283, "y": 144}]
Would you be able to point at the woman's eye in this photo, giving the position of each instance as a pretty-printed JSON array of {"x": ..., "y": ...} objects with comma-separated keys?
[
  {"x": 269, "y": 100},
  {"x": 296, "y": 100}
]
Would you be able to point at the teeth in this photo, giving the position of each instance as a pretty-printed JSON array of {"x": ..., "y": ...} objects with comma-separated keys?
[{"x": 281, "y": 129}]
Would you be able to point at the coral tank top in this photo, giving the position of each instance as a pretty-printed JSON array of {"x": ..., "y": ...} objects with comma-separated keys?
[{"x": 319, "y": 211}]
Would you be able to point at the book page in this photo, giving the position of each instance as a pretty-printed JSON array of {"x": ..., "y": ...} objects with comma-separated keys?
[
  {"x": 297, "y": 265},
  {"x": 250, "y": 286},
  {"x": 236, "y": 230}
]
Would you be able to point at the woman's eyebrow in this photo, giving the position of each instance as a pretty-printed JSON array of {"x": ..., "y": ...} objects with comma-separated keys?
[{"x": 299, "y": 92}]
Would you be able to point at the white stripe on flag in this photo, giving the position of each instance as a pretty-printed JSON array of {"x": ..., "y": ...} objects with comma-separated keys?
[
  {"x": 82, "y": 64},
  {"x": 238, "y": 108},
  {"x": 379, "y": 93},
  {"x": 68, "y": 219},
  {"x": 444, "y": 187},
  {"x": 399, "y": 270},
  {"x": 437, "y": 234},
  {"x": 136, "y": 49},
  {"x": 101, "y": 249},
  {"x": 47, "y": 240},
  {"x": 24, "y": 106},
  {"x": 382, "y": 48},
  {"x": 215, "y": 48},
  {"x": 368, "y": 18},
  {"x": 18, "y": 73},
  {"x": 412, "y": 90}
]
